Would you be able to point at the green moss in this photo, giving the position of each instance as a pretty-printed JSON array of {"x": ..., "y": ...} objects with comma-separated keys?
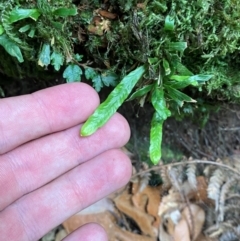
[{"x": 211, "y": 30}]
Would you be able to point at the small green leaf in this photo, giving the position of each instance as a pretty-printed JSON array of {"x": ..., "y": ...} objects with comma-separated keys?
[
  {"x": 184, "y": 81},
  {"x": 159, "y": 103},
  {"x": 181, "y": 69},
  {"x": 109, "y": 79},
  {"x": 201, "y": 77},
  {"x": 65, "y": 12},
  {"x": 140, "y": 92},
  {"x": 159, "y": 5},
  {"x": 72, "y": 73},
  {"x": 1, "y": 29},
  {"x": 97, "y": 82},
  {"x": 152, "y": 61},
  {"x": 11, "y": 47},
  {"x": 177, "y": 46},
  {"x": 57, "y": 60},
  {"x": 78, "y": 57},
  {"x": 19, "y": 14},
  {"x": 25, "y": 28},
  {"x": 57, "y": 25},
  {"x": 90, "y": 73},
  {"x": 44, "y": 58},
  {"x": 156, "y": 138},
  {"x": 182, "y": 84},
  {"x": 169, "y": 23},
  {"x": 166, "y": 67},
  {"x": 179, "y": 77},
  {"x": 32, "y": 32},
  {"x": 114, "y": 100},
  {"x": 178, "y": 96},
  {"x": 96, "y": 78}
]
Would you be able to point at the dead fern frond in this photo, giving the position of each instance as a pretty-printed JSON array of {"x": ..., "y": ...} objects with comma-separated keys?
[
  {"x": 191, "y": 175},
  {"x": 233, "y": 199},
  {"x": 217, "y": 230},
  {"x": 224, "y": 191},
  {"x": 163, "y": 171},
  {"x": 214, "y": 186},
  {"x": 144, "y": 180},
  {"x": 173, "y": 176},
  {"x": 229, "y": 236},
  {"x": 232, "y": 208}
]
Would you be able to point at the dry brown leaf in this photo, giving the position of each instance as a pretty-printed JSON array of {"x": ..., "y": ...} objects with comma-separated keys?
[
  {"x": 143, "y": 219},
  {"x": 181, "y": 231},
  {"x": 146, "y": 198},
  {"x": 140, "y": 201},
  {"x": 107, "y": 14},
  {"x": 102, "y": 213},
  {"x": 172, "y": 201},
  {"x": 108, "y": 222},
  {"x": 106, "y": 219},
  {"x": 195, "y": 217},
  {"x": 201, "y": 193}
]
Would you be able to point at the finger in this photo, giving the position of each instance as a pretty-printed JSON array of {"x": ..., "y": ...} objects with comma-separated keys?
[
  {"x": 30, "y": 217},
  {"x": 28, "y": 117},
  {"x": 38, "y": 162},
  {"x": 88, "y": 232}
]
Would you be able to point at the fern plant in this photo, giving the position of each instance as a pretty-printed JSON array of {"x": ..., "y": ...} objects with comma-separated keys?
[{"x": 148, "y": 50}]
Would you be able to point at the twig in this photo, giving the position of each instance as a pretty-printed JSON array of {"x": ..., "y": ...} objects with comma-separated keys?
[
  {"x": 188, "y": 162},
  {"x": 230, "y": 129}
]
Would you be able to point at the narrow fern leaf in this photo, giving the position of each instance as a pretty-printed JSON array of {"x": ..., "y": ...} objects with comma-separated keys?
[
  {"x": 9, "y": 29},
  {"x": 104, "y": 112},
  {"x": 159, "y": 103},
  {"x": 19, "y": 14},
  {"x": 156, "y": 138},
  {"x": 65, "y": 12},
  {"x": 178, "y": 96},
  {"x": 11, "y": 47},
  {"x": 140, "y": 92}
]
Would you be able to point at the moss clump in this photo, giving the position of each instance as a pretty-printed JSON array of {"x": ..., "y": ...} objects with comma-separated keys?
[{"x": 118, "y": 35}]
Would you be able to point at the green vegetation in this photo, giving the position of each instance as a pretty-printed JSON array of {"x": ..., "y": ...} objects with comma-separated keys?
[{"x": 154, "y": 49}]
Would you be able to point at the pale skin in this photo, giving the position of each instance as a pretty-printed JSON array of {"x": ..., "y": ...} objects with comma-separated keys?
[{"x": 47, "y": 171}]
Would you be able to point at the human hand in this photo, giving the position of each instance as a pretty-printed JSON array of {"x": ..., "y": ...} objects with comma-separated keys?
[{"x": 47, "y": 171}]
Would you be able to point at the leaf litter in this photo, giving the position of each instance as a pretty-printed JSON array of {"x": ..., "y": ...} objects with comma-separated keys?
[{"x": 195, "y": 205}]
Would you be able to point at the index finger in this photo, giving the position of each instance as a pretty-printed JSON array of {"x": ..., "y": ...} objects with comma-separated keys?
[{"x": 28, "y": 117}]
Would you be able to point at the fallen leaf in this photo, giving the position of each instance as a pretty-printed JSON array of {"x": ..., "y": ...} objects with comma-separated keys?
[
  {"x": 144, "y": 221},
  {"x": 107, "y": 14},
  {"x": 195, "y": 217}
]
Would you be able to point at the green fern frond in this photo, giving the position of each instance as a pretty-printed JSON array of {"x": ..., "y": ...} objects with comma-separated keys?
[{"x": 9, "y": 28}]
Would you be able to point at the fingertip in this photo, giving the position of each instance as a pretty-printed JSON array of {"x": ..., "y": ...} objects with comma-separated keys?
[{"x": 67, "y": 105}]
